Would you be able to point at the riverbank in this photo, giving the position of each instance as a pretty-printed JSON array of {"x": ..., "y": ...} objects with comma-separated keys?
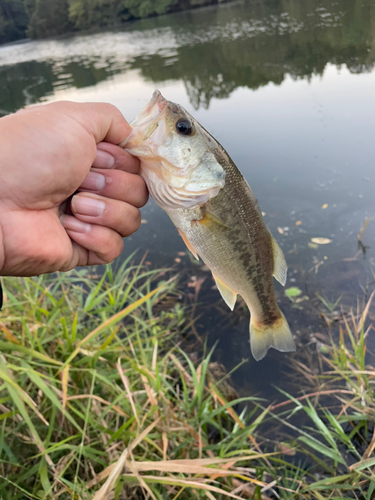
[
  {"x": 98, "y": 400},
  {"x": 49, "y": 18}
]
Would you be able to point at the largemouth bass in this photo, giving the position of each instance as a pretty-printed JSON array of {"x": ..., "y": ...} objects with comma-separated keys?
[{"x": 192, "y": 178}]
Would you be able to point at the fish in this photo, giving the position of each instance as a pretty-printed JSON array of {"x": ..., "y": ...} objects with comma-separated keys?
[{"x": 194, "y": 180}]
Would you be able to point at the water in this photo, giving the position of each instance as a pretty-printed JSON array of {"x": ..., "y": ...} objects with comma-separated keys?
[{"x": 288, "y": 88}]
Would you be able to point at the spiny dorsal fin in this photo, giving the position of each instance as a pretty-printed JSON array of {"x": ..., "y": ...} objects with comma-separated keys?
[
  {"x": 279, "y": 264},
  {"x": 229, "y": 295}
]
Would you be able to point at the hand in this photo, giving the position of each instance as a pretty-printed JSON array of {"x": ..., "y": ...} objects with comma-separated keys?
[{"x": 46, "y": 155}]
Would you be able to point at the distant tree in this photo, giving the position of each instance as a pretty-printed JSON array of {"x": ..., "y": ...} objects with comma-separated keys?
[
  {"x": 13, "y": 20},
  {"x": 29, "y": 7},
  {"x": 50, "y": 18},
  {"x": 85, "y": 14},
  {"x": 145, "y": 8}
]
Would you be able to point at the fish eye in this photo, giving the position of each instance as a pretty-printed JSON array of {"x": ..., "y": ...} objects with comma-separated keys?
[{"x": 184, "y": 126}]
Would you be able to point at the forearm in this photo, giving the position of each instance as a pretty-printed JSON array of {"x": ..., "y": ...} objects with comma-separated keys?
[
  {"x": 2, "y": 259},
  {"x": 2, "y": 249}
]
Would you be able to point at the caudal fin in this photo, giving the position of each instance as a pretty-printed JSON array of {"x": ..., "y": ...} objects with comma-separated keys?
[{"x": 277, "y": 335}]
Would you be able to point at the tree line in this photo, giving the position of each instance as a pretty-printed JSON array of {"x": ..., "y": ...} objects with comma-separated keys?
[{"x": 46, "y": 18}]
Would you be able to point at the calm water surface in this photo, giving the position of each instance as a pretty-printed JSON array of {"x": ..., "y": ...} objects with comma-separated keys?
[{"x": 288, "y": 88}]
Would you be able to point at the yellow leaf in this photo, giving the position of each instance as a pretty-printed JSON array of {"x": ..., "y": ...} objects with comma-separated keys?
[
  {"x": 321, "y": 241},
  {"x": 9, "y": 335},
  {"x": 64, "y": 381}
]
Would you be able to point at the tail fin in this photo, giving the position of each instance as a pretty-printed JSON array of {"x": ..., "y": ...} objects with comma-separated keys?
[{"x": 277, "y": 335}]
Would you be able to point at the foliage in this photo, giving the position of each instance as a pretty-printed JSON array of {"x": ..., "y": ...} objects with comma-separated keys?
[
  {"x": 49, "y": 18},
  {"x": 98, "y": 401},
  {"x": 88, "y": 13},
  {"x": 13, "y": 20},
  {"x": 95, "y": 396},
  {"x": 147, "y": 8}
]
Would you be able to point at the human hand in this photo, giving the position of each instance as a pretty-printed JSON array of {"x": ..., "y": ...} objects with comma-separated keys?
[{"x": 46, "y": 155}]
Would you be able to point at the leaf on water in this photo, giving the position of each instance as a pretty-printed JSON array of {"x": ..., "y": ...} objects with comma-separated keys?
[
  {"x": 324, "y": 206},
  {"x": 321, "y": 241},
  {"x": 144, "y": 221},
  {"x": 281, "y": 230},
  {"x": 298, "y": 222},
  {"x": 312, "y": 245},
  {"x": 293, "y": 291}
]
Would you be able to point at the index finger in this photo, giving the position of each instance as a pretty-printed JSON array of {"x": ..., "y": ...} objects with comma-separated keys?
[{"x": 110, "y": 156}]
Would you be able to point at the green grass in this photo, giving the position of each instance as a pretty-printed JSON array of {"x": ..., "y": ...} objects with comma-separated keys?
[{"x": 98, "y": 401}]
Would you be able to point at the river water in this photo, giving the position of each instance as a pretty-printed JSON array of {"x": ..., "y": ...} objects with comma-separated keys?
[{"x": 288, "y": 88}]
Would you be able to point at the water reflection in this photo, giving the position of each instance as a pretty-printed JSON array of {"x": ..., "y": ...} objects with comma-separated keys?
[{"x": 231, "y": 46}]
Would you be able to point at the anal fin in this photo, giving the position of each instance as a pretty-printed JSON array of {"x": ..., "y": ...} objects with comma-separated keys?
[
  {"x": 188, "y": 244},
  {"x": 229, "y": 295},
  {"x": 280, "y": 267}
]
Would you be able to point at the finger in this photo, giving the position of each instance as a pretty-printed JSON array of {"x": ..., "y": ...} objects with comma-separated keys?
[
  {"x": 117, "y": 215},
  {"x": 104, "y": 121},
  {"x": 112, "y": 156},
  {"x": 102, "y": 243},
  {"x": 118, "y": 185}
]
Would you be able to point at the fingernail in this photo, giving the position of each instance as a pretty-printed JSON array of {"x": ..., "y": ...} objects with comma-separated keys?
[
  {"x": 94, "y": 182},
  {"x": 73, "y": 224},
  {"x": 85, "y": 205},
  {"x": 103, "y": 160}
]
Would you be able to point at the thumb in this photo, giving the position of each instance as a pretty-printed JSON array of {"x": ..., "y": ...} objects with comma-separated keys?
[{"x": 102, "y": 120}]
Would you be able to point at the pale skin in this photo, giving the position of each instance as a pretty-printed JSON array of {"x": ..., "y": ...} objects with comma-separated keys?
[{"x": 68, "y": 193}]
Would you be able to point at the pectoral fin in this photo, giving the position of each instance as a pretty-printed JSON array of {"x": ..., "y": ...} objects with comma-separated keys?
[
  {"x": 210, "y": 220},
  {"x": 229, "y": 295},
  {"x": 188, "y": 244},
  {"x": 279, "y": 264}
]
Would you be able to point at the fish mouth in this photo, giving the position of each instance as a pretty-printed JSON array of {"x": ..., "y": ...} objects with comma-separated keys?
[
  {"x": 152, "y": 111},
  {"x": 148, "y": 120}
]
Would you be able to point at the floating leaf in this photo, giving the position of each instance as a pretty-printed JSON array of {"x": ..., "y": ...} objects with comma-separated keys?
[
  {"x": 321, "y": 241},
  {"x": 281, "y": 230},
  {"x": 312, "y": 245},
  {"x": 293, "y": 291},
  {"x": 298, "y": 222},
  {"x": 324, "y": 206}
]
